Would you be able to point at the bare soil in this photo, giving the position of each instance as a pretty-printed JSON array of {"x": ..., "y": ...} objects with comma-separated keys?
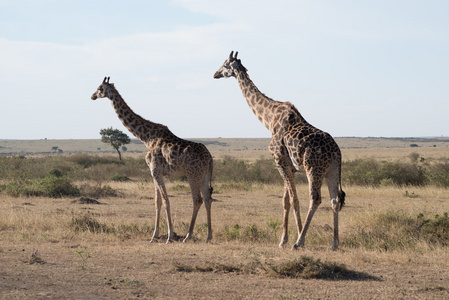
[{"x": 143, "y": 270}]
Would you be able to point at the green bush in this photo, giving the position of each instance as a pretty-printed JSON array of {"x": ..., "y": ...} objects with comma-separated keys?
[
  {"x": 18, "y": 173},
  {"x": 55, "y": 173},
  {"x": 395, "y": 230},
  {"x": 55, "y": 187},
  {"x": 375, "y": 173},
  {"x": 438, "y": 174},
  {"x": 434, "y": 230},
  {"x": 118, "y": 177},
  {"x": 86, "y": 222},
  {"x": 251, "y": 233},
  {"x": 50, "y": 186}
]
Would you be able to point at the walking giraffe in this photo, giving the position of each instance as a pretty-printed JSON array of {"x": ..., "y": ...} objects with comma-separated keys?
[
  {"x": 295, "y": 146},
  {"x": 168, "y": 155}
]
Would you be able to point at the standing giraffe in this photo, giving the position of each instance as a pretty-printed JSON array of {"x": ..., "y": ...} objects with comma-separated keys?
[
  {"x": 168, "y": 155},
  {"x": 296, "y": 146}
]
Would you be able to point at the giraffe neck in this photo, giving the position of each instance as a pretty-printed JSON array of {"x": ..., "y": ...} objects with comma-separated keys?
[
  {"x": 142, "y": 129},
  {"x": 263, "y": 107}
]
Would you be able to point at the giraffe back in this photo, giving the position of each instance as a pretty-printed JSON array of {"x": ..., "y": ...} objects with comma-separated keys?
[{"x": 307, "y": 146}]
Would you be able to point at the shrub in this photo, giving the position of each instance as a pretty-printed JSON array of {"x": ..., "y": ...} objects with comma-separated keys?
[
  {"x": 86, "y": 222},
  {"x": 394, "y": 230},
  {"x": 251, "y": 233},
  {"x": 50, "y": 186},
  {"x": 97, "y": 191},
  {"x": 118, "y": 177},
  {"x": 438, "y": 174},
  {"x": 434, "y": 230},
  {"x": 55, "y": 173},
  {"x": 375, "y": 173},
  {"x": 55, "y": 187},
  {"x": 361, "y": 172},
  {"x": 307, "y": 267}
]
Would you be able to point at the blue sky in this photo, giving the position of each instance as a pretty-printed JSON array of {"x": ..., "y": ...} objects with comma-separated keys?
[{"x": 352, "y": 68}]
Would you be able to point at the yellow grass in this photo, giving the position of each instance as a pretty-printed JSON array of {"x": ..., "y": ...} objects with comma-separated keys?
[{"x": 86, "y": 264}]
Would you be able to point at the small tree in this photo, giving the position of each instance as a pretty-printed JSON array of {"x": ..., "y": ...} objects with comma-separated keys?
[{"x": 114, "y": 137}]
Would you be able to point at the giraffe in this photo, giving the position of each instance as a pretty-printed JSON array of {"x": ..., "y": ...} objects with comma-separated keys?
[
  {"x": 296, "y": 146},
  {"x": 168, "y": 155}
]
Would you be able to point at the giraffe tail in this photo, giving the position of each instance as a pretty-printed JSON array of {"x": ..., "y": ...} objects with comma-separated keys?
[
  {"x": 211, "y": 167},
  {"x": 341, "y": 194},
  {"x": 341, "y": 198}
]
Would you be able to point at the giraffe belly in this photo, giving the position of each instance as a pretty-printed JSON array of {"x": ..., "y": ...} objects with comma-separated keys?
[{"x": 173, "y": 171}]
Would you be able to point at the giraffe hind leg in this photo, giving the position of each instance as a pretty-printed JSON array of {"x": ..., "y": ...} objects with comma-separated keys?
[
  {"x": 286, "y": 204},
  {"x": 197, "y": 201},
  {"x": 160, "y": 186},
  {"x": 337, "y": 200},
  {"x": 158, "y": 205},
  {"x": 207, "y": 198},
  {"x": 315, "y": 201},
  {"x": 289, "y": 194}
]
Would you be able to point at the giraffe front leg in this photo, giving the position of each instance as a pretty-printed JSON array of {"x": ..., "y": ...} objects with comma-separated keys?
[{"x": 158, "y": 204}]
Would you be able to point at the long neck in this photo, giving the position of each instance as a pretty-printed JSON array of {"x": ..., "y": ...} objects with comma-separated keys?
[
  {"x": 263, "y": 107},
  {"x": 142, "y": 129}
]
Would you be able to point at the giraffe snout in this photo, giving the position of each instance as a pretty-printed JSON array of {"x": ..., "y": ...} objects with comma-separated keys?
[
  {"x": 94, "y": 97},
  {"x": 218, "y": 75}
]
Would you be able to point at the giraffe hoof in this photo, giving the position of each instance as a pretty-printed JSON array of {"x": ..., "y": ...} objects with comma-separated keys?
[
  {"x": 297, "y": 246},
  {"x": 334, "y": 248}
]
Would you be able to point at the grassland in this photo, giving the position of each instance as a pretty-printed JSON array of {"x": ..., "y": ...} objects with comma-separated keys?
[{"x": 394, "y": 240}]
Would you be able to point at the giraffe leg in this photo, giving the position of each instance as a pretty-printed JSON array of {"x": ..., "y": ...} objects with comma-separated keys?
[
  {"x": 197, "y": 201},
  {"x": 286, "y": 203},
  {"x": 336, "y": 241},
  {"x": 207, "y": 197},
  {"x": 315, "y": 201},
  {"x": 160, "y": 186},
  {"x": 158, "y": 204},
  {"x": 332, "y": 183},
  {"x": 289, "y": 194}
]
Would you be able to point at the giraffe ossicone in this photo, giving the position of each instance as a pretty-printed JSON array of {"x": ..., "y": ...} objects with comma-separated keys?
[
  {"x": 168, "y": 155},
  {"x": 296, "y": 146}
]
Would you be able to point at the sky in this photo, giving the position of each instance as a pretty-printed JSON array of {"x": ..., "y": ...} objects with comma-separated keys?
[{"x": 351, "y": 67}]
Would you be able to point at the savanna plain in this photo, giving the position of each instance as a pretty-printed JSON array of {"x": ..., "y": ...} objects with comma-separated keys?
[{"x": 77, "y": 224}]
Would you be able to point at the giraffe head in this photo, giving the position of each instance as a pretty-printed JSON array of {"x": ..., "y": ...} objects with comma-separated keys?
[
  {"x": 104, "y": 90},
  {"x": 230, "y": 66}
]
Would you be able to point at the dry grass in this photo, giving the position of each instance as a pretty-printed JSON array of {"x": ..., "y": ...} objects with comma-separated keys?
[
  {"x": 76, "y": 248},
  {"x": 111, "y": 255}
]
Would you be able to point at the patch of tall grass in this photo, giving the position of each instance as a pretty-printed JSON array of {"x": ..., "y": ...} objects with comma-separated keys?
[
  {"x": 395, "y": 230},
  {"x": 55, "y": 176}
]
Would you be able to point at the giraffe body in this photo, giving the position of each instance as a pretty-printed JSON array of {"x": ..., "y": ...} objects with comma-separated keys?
[
  {"x": 168, "y": 155},
  {"x": 295, "y": 146}
]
